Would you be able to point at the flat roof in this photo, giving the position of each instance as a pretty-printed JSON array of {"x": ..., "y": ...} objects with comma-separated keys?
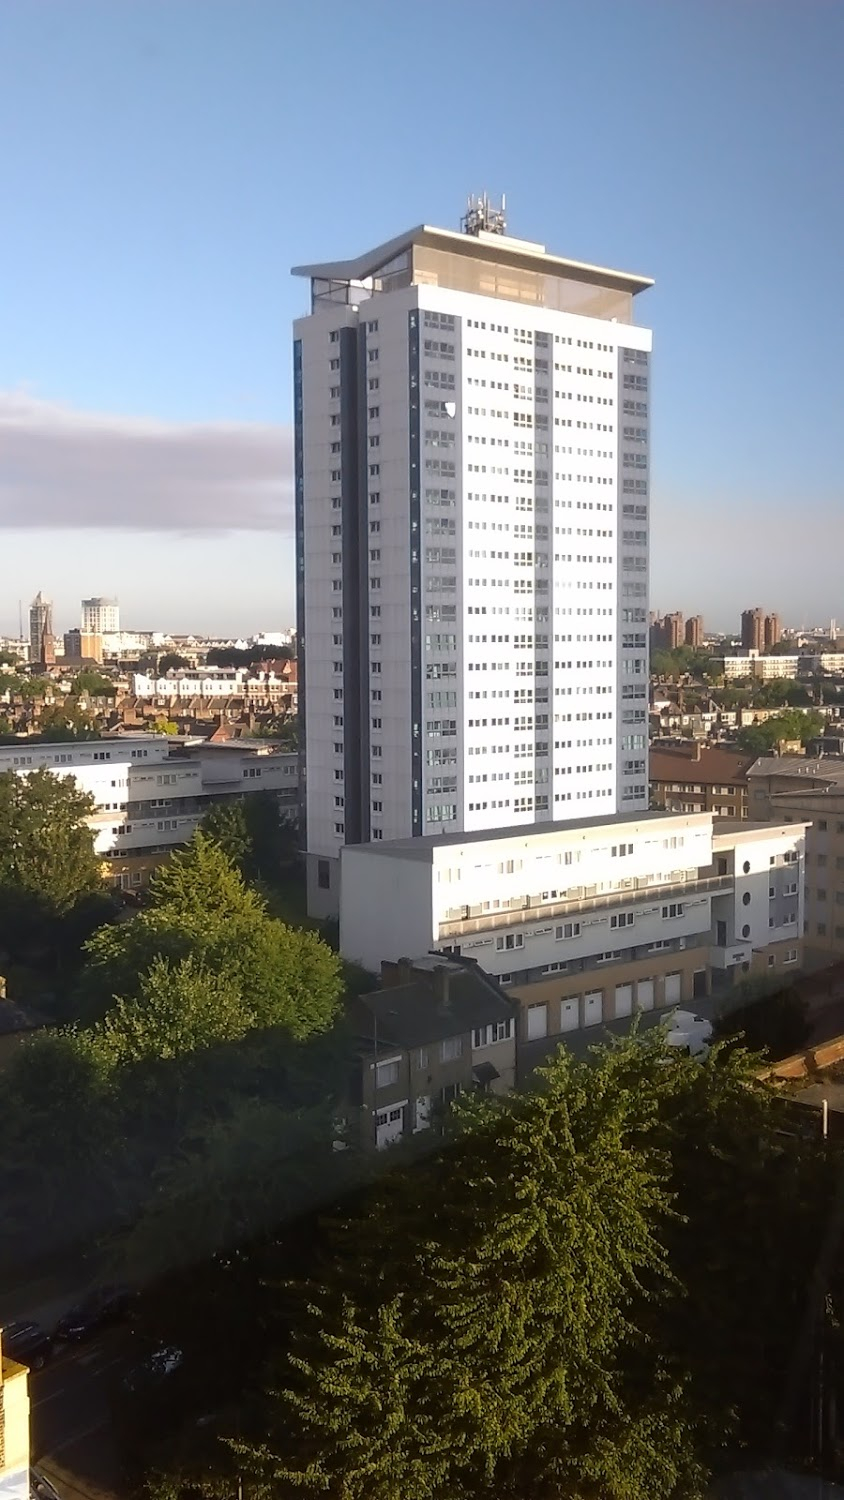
[
  {"x": 501, "y": 248},
  {"x": 733, "y": 828},
  {"x": 425, "y": 845}
]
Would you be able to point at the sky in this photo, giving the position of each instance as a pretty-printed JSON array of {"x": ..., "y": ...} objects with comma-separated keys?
[{"x": 165, "y": 163}]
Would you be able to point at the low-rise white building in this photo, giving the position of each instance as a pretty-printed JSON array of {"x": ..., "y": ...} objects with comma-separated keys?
[
  {"x": 150, "y": 792},
  {"x": 586, "y": 921},
  {"x": 214, "y": 682}
]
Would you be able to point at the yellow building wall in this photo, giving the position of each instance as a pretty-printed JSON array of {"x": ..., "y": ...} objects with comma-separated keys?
[{"x": 14, "y": 1430}]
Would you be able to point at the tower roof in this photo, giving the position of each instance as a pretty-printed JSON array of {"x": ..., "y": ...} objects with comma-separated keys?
[{"x": 499, "y": 248}]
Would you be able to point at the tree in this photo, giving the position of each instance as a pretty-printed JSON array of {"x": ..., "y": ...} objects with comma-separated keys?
[
  {"x": 181, "y": 1008},
  {"x": 494, "y": 1337},
  {"x": 46, "y": 847},
  {"x": 62, "y": 724},
  {"x": 258, "y": 836},
  {"x": 201, "y": 908},
  {"x": 225, "y": 823},
  {"x": 591, "y": 1291},
  {"x": 94, "y": 684},
  {"x": 791, "y": 724},
  {"x": 171, "y": 662}
]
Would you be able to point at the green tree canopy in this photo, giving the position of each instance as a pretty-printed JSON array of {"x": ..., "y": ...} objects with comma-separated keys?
[
  {"x": 171, "y": 662},
  {"x": 94, "y": 684},
  {"x": 46, "y": 846},
  {"x": 589, "y": 1292},
  {"x": 258, "y": 836},
  {"x": 681, "y": 662},
  {"x": 791, "y": 724},
  {"x": 202, "y": 909},
  {"x": 225, "y": 823}
]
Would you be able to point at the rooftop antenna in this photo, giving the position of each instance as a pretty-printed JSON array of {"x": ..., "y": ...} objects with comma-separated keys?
[{"x": 481, "y": 217}]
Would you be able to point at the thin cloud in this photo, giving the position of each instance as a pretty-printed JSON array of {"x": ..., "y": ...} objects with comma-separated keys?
[{"x": 60, "y": 467}]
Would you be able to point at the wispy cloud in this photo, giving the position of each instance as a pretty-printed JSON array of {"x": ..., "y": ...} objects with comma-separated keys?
[{"x": 60, "y": 467}]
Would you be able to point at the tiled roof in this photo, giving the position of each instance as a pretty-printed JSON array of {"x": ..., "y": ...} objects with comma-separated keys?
[
  {"x": 715, "y": 766},
  {"x": 418, "y": 1013}
]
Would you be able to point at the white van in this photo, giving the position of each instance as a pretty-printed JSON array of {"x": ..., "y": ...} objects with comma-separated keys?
[{"x": 688, "y": 1032}]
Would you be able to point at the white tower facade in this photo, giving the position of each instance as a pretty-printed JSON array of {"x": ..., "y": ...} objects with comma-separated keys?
[
  {"x": 472, "y": 461},
  {"x": 100, "y": 616}
]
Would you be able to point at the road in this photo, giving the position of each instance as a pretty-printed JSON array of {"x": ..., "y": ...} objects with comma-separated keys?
[{"x": 71, "y": 1438}]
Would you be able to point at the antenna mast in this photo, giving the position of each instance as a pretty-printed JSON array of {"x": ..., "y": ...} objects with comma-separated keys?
[{"x": 481, "y": 217}]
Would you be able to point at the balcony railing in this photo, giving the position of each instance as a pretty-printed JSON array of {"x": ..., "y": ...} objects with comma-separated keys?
[{"x": 535, "y": 910}]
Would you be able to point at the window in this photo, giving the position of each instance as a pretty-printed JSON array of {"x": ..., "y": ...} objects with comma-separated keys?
[
  {"x": 618, "y": 850},
  {"x": 673, "y": 909},
  {"x": 487, "y": 1036},
  {"x": 822, "y": 825},
  {"x": 323, "y": 875},
  {"x": 567, "y": 930},
  {"x": 622, "y": 919},
  {"x": 508, "y": 941},
  {"x": 451, "y": 1049},
  {"x": 387, "y": 1073},
  {"x": 790, "y": 956}
]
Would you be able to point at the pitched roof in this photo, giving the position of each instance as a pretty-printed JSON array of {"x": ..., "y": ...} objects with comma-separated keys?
[
  {"x": 420, "y": 1012},
  {"x": 715, "y": 766}
]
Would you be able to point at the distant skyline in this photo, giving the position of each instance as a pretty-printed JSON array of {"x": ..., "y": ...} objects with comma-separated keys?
[{"x": 169, "y": 161}]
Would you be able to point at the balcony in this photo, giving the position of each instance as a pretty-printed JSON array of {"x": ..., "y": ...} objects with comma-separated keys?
[{"x": 535, "y": 910}]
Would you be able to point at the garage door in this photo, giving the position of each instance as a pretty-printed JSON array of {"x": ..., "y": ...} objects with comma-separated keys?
[
  {"x": 537, "y": 1021},
  {"x": 593, "y": 1007},
  {"x": 570, "y": 1014},
  {"x": 645, "y": 994},
  {"x": 673, "y": 988},
  {"x": 624, "y": 1000}
]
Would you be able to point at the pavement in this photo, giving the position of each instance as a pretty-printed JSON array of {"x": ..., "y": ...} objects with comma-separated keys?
[{"x": 70, "y": 1418}]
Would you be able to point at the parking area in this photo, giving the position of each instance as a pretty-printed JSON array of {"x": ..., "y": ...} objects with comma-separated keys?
[{"x": 70, "y": 1424}]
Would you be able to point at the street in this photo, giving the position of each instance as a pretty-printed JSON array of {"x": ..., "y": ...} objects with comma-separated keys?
[{"x": 71, "y": 1420}]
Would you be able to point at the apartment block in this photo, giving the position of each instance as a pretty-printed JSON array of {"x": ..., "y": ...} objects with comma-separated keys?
[
  {"x": 800, "y": 790},
  {"x": 150, "y": 794},
  {"x": 472, "y": 464},
  {"x": 753, "y": 629},
  {"x": 694, "y": 632},
  {"x": 587, "y": 921},
  {"x": 694, "y": 777}
]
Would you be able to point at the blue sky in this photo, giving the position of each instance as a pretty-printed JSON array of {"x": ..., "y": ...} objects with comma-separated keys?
[{"x": 165, "y": 162}]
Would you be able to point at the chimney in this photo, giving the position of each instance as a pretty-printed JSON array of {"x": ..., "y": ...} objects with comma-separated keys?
[
  {"x": 696, "y": 752},
  {"x": 443, "y": 983}
]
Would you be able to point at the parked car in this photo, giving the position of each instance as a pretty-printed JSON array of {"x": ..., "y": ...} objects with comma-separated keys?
[
  {"x": 689, "y": 1033},
  {"x": 28, "y": 1343},
  {"x": 40, "y": 1487},
  {"x": 106, "y": 1305},
  {"x": 154, "y": 1369}
]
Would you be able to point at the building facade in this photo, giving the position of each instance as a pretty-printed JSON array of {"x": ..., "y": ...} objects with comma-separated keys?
[
  {"x": 150, "y": 795},
  {"x": 694, "y": 632},
  {"x": 435, "y": 1029},
  {"x": 694, "y": 777},
  {"x": 14, "y": 1428},
  {"x": 753, "y": 629},
  {"x": 42, "y": 646},
  {"x": 799, "y": 789},
  {"x": 81, "y": 646},
  {"x": 472, "y": 461},
  {"x": 216, "y": 682},
  {"x": 773, "y": 631},
  {"x": 586, "y": 922},
  {"x": 100, "y": 616}
]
